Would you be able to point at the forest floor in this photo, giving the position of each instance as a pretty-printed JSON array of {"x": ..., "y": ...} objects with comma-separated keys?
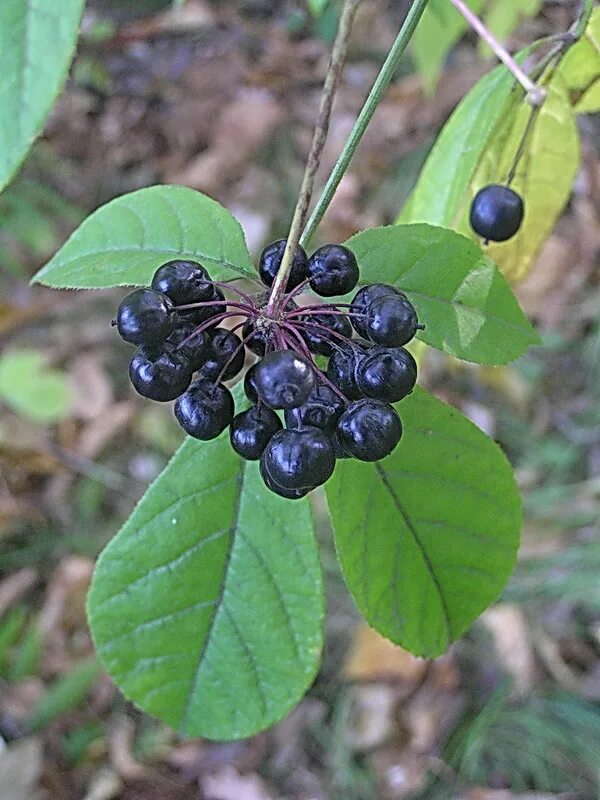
[{"x": 221, "y": 97}]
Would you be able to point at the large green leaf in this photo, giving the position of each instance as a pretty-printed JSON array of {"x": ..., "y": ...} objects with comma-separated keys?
[
  {"x": 427, "y": 538},
  {"x": 446, "y": 177},
  {"x": 37, "y": 42},
  {"x": 207, "y": 607},
  {"x": 544, "y": 176},
  {"x": 125, "y": 241},
  {"x": 466, "y": 305},
  {"x": 32, "y": 389},
  {"x": 580, "y": 68}
]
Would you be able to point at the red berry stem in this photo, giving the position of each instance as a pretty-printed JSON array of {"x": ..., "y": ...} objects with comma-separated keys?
[
  {"x": 208, "y": 324},
  {"x": 250, "y": 310},
  {"x": 234, "y": 289}
]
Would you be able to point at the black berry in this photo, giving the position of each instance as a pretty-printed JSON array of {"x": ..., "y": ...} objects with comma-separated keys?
[
  {"x": 250, "y": 389},
  {"x": 190, "y": 345},
  {"x": 225, "y": 355},
  {"x": 369, "y": 430},
  {"x": 387, "y": 374},
  {"x": 144, "y": 318},
  {"x": 363, "y": 299},
  {"x": 159, "y": 374},
  {"x": 270, "y": 261},
  {"x": 496, "y": 212},
  {"x": 341, "y": 370},
  {"x": 284, "y": 379},
  {"x": 299, "y": 459},
  {"x": 319, "y": 340},
  {"x": 183, "y": 282},
  {"x": 252, "y": 430},
  {"x": 332, "y": 270},
  {"x": 256, "y": 340},
  {"x": 322, "y": 410},
  {"x": 288, "y": 494},
  {"x": 205, "y": 409},
  {"x": 391, "y": 321}
]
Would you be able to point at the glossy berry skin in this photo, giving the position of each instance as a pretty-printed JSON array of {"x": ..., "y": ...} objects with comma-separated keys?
[
  {"x": 341, "y": 370},
  {"x": 391, "y": 321},
  {"x": 387, "y": 374},
  {"x": 252, "y": 430},
  {"x": 332, "y": 270},
  {"x": 299, "y": 459},
  {"x": 284, "y": 379},
  {"x": 221, "y": 347},
  {"x": 288, "y": 494},
  {"x": 369, "y": 430},
  {"x": 322, "y": 410},
  {"x": 198, "y": 316},
  {"x": 205, "y": 410},
  {"x": 317, "y": 339},
  {"x": 270, "y": 261},
  {"x": 258, "y": 339},
  {"x": 250, "y": 389},
  {"x": 496, "y": 212},
  {"x": 183, "y": 282},
  {"x": 363, "y": 299},
  {"x": 159, "y": 374},
  {"x": 340, "y": 451},
  {"x": 144, "y": 318},
  {"x": 193, "y": 347}
]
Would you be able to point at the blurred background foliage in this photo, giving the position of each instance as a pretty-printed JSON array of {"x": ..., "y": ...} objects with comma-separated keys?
[{"x": 220, "y": 96}]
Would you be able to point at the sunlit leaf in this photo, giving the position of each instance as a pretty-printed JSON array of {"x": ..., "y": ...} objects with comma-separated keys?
[
  {"x": 580, "y": 68},
  {"x": 37, "y": 42},
  {"x": 30, "y": 388}
]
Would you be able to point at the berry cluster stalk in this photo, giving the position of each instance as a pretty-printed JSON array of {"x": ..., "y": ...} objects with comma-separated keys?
[
  {"x": 380, "y": 86},
  {"x": 332, "y": 81}
]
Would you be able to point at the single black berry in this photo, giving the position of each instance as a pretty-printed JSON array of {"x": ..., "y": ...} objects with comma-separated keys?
[
  {"x": 252, "y": 430},
  {"x": 391, "y": 321},
  {"x": 144, "y": 318},
  {"x": 321, "y": 341},
  {"x": 205, "y": 409},
  {"x": 200, "y": 315},
  {"x": 256, "y": 340},
  {"x": 340, "y": 451},
  {"x": 299, "y": 459},
  {"x": 387, "y": 374},
  {"x": 250, "y": 389},
  {"x": 332, "y": 270},
  {"x": 341, "y": 370},
  {"x": 322, "y": 410},
  {"x": 183, "y": 282},
  {"x": 369, "y": 430},
  {"x": 270, "y": 261},
  {"x": 159, "y": 373},
  {"x": 191, "y": 345},
  {"x": 225, "y": 355},
  {"x": 284, "y": 379},
  {"x": 288, "y": 494},
  {"x": 497, "y": 212},
  {"x": 363, "y": 299}
]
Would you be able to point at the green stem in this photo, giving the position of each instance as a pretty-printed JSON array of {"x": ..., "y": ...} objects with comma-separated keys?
[
  {"x": 380, "y": 86},
  {"x": 579, "y": 27}
]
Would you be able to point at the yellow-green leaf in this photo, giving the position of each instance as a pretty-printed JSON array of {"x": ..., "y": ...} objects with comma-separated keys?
[
  {"x": 580, "y": 68},
  {"x": 30, "y": 388}
]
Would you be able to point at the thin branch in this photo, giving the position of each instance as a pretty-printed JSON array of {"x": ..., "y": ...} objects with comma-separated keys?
[
  {"x": 380, "y": 86},
  {"x": 332, "y": 81},
  {"x": 535, "y": 94}
]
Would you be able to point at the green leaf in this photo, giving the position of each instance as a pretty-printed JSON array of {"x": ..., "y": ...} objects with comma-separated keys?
[
  {"x": 207, "y": 607},
  {"x": 466, "y": 305},
  {"x": 580, "y": 68},
  {"x": 427, "y": 538},
  {"x": 317, "y": 7},
  {"x": 445, "y": 179},
  {"x": 67, "y": 693},
  {"x": 502, "y": 17},
  {"x": 30, "y": 388},
  {"x": 439, "y": 29},
  {"x": 544, "y": 176},
  {"x": 125, "y": 241},
  {"x": 37, "y": 43}
]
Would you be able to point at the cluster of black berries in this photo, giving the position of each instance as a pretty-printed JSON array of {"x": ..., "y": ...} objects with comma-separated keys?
[
  {"x": 496, "y": 212},
  {"x": 342, "y": 411}
]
